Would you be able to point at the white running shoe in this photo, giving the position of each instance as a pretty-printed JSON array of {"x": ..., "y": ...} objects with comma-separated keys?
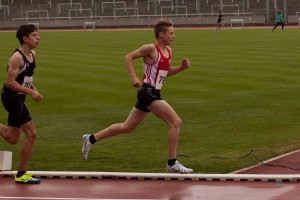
[
  {"x": 86, "y": 146},
  {"x": 178, "y": 168}
]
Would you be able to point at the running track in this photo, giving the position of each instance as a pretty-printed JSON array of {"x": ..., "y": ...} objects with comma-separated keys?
[{"x": 276, "y": 179}]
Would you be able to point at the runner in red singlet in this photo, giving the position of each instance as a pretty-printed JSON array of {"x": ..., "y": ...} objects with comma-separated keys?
[
  {"x": 157, "y": 66},
  {"x": 155, "y": 73}
]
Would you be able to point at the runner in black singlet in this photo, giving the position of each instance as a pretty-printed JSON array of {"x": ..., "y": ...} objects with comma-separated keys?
[{"x": 17, "y": 85}]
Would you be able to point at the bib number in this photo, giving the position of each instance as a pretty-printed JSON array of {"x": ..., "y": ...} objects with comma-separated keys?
[
  {"x": 162, "y": 74},
  {"x": 27, "y": 83}
]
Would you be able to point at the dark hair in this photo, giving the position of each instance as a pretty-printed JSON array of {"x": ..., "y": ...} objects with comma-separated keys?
[
  {"x": 161, "y": 25},
  {"x": 25, "y": 30}
]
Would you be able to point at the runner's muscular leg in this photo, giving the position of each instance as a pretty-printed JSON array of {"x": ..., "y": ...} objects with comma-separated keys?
[
  {"x": 3, "y": 131},
  {"x": 135, "y": 117},
  {"x": 10, "y": 134},
  {"x": 165, "y": 112},
  {"x": 27, "y": 145}
]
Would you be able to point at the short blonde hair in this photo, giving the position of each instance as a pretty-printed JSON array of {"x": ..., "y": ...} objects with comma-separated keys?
[{"x": 161, "y": 25}]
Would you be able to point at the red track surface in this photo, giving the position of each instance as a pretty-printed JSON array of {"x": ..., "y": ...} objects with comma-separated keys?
[
  {"x": 287, "y": 164},
  {"x": 148, "y": 189},
  {"x": 68, "y": 188}
]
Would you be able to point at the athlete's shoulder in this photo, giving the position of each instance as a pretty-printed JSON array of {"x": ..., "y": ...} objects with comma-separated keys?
[
  {"x": 149, "y": 47},
  {"x": 16, "y": 60},
  {"x": 16, "y": 56}
]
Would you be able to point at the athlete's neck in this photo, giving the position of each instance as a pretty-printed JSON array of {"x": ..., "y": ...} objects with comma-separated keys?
[
  {"x": 25, "y": 51},
  {"x": 161, "y": 45}
]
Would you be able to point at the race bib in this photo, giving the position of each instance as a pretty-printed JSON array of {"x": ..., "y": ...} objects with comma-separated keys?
[
  {"x": 27, "y": 81},
  {"x": 162, "y": 74}
]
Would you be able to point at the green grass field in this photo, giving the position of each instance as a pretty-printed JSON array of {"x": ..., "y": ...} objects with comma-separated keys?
[{"x": 241, "y": 93}]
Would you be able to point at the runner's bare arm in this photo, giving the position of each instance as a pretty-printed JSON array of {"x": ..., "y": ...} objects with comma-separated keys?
[
  {"x": 185, "y": 64},
  {"x": 145, "y": 52},
  {"x": 14, "y": 65}
]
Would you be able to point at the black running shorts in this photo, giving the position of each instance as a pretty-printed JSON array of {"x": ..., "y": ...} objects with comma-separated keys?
[
  {"x": 18, "y": 113},
  {"x": 146, "y": 94}
]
